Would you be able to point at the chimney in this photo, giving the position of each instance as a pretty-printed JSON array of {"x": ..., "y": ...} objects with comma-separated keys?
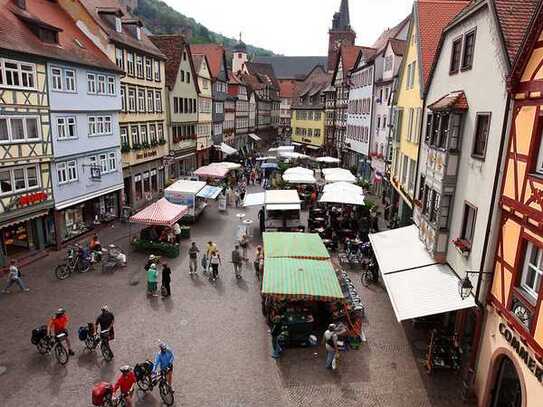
[{"x": 21, "y": 4}]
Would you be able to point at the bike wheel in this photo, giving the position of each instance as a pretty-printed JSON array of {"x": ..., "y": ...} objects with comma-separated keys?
[
  {"x": 61, "y": 354},
  {"x": 144, "y": 383},
  {"x": 43, "y": 346},
  {"x": 106, "y": 351},
  {"x": 62, "y": 272},
  {"x": 89, "y": 343},
  {"x": 166, "y": 393},
  {"x": 365, "y": 279},
  {"x": 84, "y": 267}
]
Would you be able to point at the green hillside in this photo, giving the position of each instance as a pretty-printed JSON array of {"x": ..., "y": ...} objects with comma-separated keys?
[{"x": 162, "y": 19}]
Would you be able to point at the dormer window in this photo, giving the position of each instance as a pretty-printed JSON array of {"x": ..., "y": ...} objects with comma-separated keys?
[
  {"x": 118, "y": 24},
  {"x": 138, "y": 33}
]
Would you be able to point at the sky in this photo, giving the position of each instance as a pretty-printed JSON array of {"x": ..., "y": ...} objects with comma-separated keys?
[{"x": 292, "y": 27}]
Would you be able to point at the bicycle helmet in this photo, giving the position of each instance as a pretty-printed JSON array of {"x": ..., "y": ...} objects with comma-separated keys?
[
  {"x": 105, "y": 308},
  {"x": 162, "y": 346},
  {"x": 60, "y": 311},
  {"x": 125, "y": 369}
]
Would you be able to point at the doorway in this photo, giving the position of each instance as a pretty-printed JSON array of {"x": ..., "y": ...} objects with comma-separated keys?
[{"x": 507, "y": 391}]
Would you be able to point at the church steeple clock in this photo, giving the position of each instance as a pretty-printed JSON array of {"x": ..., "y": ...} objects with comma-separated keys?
[{"x": 341, "y": 33}]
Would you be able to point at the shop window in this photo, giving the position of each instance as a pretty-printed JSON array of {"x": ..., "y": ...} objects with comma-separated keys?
[
  {"x": 468, "y": 223},
  {"x": 482, "y": 127},
  {"x": 138, "y": 187},
  {"x": 146, "y": 182},
  {"x": 154, "y": 181},
  {"x": 532, "y": 271},
  {"x": 507, "y": 390}
]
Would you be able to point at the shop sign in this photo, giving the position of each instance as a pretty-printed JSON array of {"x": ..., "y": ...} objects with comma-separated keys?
[
  {"x": 146, "y": 154},
  {"x": 31, "y": 199},
  {"x": 523, "y": 353}
]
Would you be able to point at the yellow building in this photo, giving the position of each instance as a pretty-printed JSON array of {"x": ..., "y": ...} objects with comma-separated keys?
[
  {"x": 144, "y": 134},
  {"x": 423, "y": 37},
  {"x": 510, "y": 365},
  {"x": 308, "y": 110}
]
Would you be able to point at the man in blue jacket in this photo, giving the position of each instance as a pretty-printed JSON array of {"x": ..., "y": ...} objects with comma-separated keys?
[{"x": 164, "y": 361}]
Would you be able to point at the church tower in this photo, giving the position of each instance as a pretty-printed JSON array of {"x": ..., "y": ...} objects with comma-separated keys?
[
  {"x": 341, "y": 33},
  {"x": 239, "y": 56}
]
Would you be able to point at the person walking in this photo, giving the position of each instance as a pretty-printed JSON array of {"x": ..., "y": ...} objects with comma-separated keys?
[
  {"x": 330, "y": 345},
  {"x": 193, "y": 258},
  {"x": 259, "y": 262},
  {"x": 166, "y": 280},
  {"x": 275, "y": 332},
  {"x": 244, "y": 243},
  {"x": 152, "y": 276},
  {"x": 237, "y": 261},
  {"x": 211, "y": 247},
  {"x": 14, "y": 277},
  {"x": 177, "y": 232},
  {"x": 214, "y": 261}
]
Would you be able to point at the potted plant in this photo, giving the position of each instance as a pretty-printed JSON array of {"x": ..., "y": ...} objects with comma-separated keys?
[
  {"x": 137, "y": 146},
  {"x": 154, "y": 143},
  {"x": 162, "y": 141},
  {"x": 125, "y": 148},
  {"x": 463, "y": 246},
  {"x": 145, "y": 145}
]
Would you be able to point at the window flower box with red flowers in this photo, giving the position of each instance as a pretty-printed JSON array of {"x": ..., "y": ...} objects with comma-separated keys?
[
  {"x": 417, "y": 203},
  {"x": 463, "y": 246}
]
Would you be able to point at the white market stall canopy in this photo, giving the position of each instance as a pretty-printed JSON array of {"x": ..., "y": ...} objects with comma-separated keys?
[
  {"x": 299, "y": 175},
  {"x": 344, "y": 197},
  {"x": 340, "y": 187},
  {"x": 273, "y": 197},
  {"x": 338, "y": 175},
  {"x": 327, "y": 160},
  {"x": 291, "y": 155},
  {"x": 226, "y": 149},
  {"x": 254, "y": 137},
  {"x": 256, "y": 199},
  {"x": 185, "y": 186},
  {"x": 227, "y": 164},
  {"x": 270, "y": 157},
  {"x": 212, "y": 171},
  {"x": 209, "y": 192},
  {"x": 416, "y": 285}
]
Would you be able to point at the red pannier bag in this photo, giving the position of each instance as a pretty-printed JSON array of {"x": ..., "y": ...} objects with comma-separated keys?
[{"x": 99, "y": 393}]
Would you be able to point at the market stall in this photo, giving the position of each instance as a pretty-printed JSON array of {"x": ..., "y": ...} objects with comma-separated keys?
[
  {"x": 158, "y": 237},
  {"x": 338, "y": 175},
  {"x": 281, "y": 209},
  {"x": 299, "y": 175},
  {"x": 193, "y": 194}
]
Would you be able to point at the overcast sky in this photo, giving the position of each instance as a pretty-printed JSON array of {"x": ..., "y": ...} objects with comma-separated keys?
[{"x": 292, "y": 27}]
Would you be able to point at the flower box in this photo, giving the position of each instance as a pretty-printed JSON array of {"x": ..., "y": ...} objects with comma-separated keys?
[
  {"x": 417, "y": 202},
  {"x": 463, "y": 246}
]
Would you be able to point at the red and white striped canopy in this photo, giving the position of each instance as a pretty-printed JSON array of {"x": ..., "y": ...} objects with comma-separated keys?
[
  {"x": 212, "y": 171},
  {"x": 160, "y": 213}
]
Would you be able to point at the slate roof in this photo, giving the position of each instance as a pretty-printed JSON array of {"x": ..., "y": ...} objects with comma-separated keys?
[
  {"x": 292, "y": 67},
  {"x": 430, "y": 25},
  {"x": 16, "y": 35},
  {"x": 452, "y": 101},
  {"x": 214, "y": 54},
  {"x": 398, "y": 46},
  {"x": 262, "y": 69},
  {"x": 173, "y": 46},
  {"x": 390, "y": 33},
  {"x": 94, "y": 7}
]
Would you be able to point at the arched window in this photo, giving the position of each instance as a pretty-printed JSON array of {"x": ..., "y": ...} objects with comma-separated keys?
[{"x": 507, "y": 391}]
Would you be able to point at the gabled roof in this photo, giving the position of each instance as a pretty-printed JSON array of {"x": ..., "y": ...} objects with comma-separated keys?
[
  {"x": 432, "y": 16},
  {"x": 452, "y": 101},
  {"x": 173, "y": 47},
  {"x": 292, "y": 67},
  {"x": 95, "y": 9},
  {"x": 74, "y": 46},
  {"x": 381, "y": 42},
  {"x": 198, "y": 61},
  {"x": 215, "y": 57},
  {"x": 398, "y": 46},
  {"x": 263, "y": 71}
]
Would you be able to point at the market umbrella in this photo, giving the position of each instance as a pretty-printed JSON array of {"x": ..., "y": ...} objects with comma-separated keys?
[
  {"x": 338, "y": 175},
  {"x": 345, "y": 197},
  {"x": 298, "y": 170},
  {"x": 160, "y": 213},
  {"x": 270, "y": 157},
  {"x": 339, "y": 187},
  {"x": 212, "y": 171},
  {"x": 292, "y": 155},
  {"x": 299, "y": 178},
  {"x": 328, "y": 160}
]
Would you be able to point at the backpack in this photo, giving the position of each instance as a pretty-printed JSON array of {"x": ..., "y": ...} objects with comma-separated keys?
[
  {"x": 83, "y": 333},
  {"x": 38, "y": 334},
  {"x": 99, "y": 393}
]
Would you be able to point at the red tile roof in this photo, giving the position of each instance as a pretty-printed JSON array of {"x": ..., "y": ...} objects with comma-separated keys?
[
  {"x": 94, "y": 7},
  {"x": 263, "y": 70},
  {"x": 514, "y": 17},
  {"x": 452, "y": 101},
  {"x": 16, "y": 35},
  {"x": 173, "y": 47},
  {"x": 350, "y": 55},
  {"x": 215, "y": 56},
  {"x": 381, "y": 42},
  {"x": 287, "y": 88},
  {"x": 432, "y": 16}
]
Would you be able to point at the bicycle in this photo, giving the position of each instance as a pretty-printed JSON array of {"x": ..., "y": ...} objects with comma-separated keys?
[
  {"x": 147, "y": 382},
  {"x": 50, "y": 343},
  {"x": 73, "y": 262},
  {"x": 369, "y": 273},
  {"x": 112, "y": 401},
  {"x": 93, "y": 339}
]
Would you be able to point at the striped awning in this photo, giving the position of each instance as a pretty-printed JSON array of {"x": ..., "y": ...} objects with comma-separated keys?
[
  {"x": 300, "y": 279},
  {"x": 160, "y": 213}
]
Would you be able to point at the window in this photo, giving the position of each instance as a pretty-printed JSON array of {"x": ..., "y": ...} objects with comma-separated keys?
[
  {"x": 17, "y": 129},
  {"x": 532, "y": 271},
  {"x": 119, "y": 57},
  {"x": 405, "y": 162},
  {"x": 92, "y": 126},
  {"x": 131, "y": 99},
  {"x": 482, "y": 126},
  {"x": 17, "y": 74},
  {"x": 157, "y": 70},
  {"x": 135, "y": 135},
  {"x": 67, "y": 172},
  {"x": 152, "y": 133},
  {"x": 410, "y": 136},
  {"x": 160, "y": 132},
  {"x": 143, "y": 133},
  {"x": 148, "y": 69},
  {"x": 123, "y": 99},
  {"x": 102, "y": 158},
  {"x": 112, "y": 162},
  {"x": 111, "y": 85},
  {"x": 130, "y": 63},
  {"x": 69, "y": 79},
  {"x": 124, "y": 136},
  {"x": 434, "y": 205},
  {"x": 56, "y": 77},
  {"x": 412, "y": 174},
  {"x": 188, "y": 77},
  {"x": 139, "y": 66},
  {"x": 182, "y": 76},
  {"x": 469, "y": 49},
  {"x": 100, "y": 125},
  {"x": 456, "y": 53},
  {"x": 18, "y": 179},
  {"x": 107, "y": 125},
  {"x": 150, "y": 100},
  {"x": 468, "y": 222},
  {"x": 118, "y": 25},
  {"x": 66, "y": 128},
  {"x": 32, "y": 177},
  {"x": 158, "y": 101},
  {"x": 138, "y": 187},
  {"x": 101, "y": 88},
  {"x": 141, "y": 100}
]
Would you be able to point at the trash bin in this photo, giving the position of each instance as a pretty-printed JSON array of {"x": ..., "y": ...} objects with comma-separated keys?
[{"x": 185, "y": 232}]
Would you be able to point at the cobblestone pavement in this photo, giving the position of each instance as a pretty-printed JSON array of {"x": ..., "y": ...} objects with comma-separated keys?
[{"x": 220, "y": 339}]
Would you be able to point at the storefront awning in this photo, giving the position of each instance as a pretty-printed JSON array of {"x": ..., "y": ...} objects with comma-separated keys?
[
  {"x": 256, "y": 199},
  {"x": 254, "y": 137},
  {"x": 209, "y": 192},
  {"x": 283, "y": 207},
  {"x": 82, "y": 198},
  {"x": 311, "y": 147},
  {"x": 417, "y": 286},
  {"x": 226, "y": 149},
  {"x": 25, "y": 218},
  {"x": 160, "y": 213}
]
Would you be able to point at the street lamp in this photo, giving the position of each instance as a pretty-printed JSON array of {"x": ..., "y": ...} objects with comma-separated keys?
[{"x": 465, "y": 287}]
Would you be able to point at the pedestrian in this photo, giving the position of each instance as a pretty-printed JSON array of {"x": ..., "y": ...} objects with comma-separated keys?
[
  {"x": 193, "y": 258},
  {"x": 262, "y": 219},
  {"x": 211, "y": 247},
  {"x": 166, "y": 280},
  {"x": 238, "y": 198},
  {"x": 244, "y": 243},
  {"x": 151, "y": 260},
  {"x": 259, "y": 262},
  {"x": 214, "y": 261},
  {"x": 14, "y": 277},
  {"x": 330, "y": 345},
  {"x": 276, "y": 331},
  {"x": 152, "y": 276},
  {"x": 237, "y": 261},
  {"x": 177, "y": 232}
]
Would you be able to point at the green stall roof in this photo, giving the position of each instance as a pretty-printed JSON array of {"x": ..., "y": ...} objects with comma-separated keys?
[
  {"x": 300, "y": 279},
  {"x": 294, "y": 245}
]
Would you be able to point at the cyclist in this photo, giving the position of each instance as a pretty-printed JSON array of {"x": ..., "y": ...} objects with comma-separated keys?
[
  {"x": 125, "y": 383},
  {"x": 164, "y": 361},
  {"x": 105, "y": 320},
  {"x": 59, "y": 324}
]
